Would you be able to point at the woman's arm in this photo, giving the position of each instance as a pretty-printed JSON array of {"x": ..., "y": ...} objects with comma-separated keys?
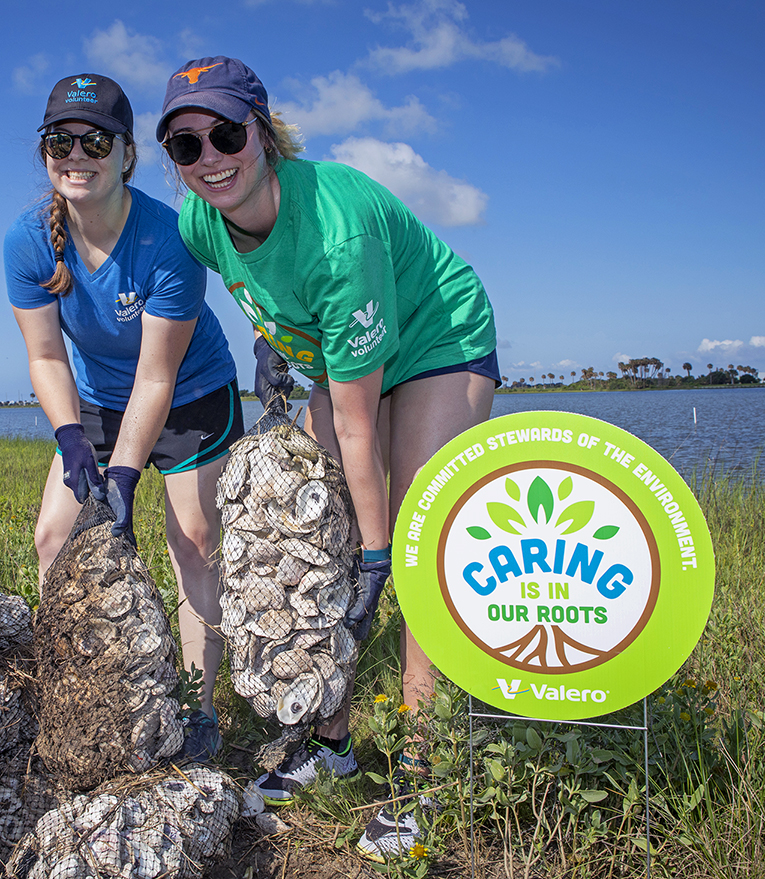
[
  {"x": 354, "y": 406},
  {"x": 49, "y": 367},
  {"x": 163, "y": 346}
]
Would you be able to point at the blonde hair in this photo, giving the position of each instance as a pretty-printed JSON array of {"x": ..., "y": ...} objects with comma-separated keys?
[
  {"x": 281, "y": 139},
  {"x": 61, "y": 282}
]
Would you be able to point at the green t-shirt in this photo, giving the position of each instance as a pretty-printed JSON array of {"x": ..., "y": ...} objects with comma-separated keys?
[{"x": 348, "y": 280}]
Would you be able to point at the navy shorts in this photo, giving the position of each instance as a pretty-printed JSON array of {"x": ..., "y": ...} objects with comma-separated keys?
[
  {"x": 487, "y": 366},
  {"x": 194, "y": 434}
]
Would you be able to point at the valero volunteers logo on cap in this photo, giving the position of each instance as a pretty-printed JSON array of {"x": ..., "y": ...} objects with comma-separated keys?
[{"x": 553, "y": 565}]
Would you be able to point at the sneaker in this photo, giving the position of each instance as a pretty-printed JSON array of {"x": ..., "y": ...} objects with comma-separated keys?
[
  {"x": 382, "y": 839},
  {"x": 202, "y": 740},
  {"x": 301, "y": 768}
]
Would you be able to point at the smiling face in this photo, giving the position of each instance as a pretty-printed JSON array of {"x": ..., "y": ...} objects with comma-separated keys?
[
  {"x": 82, "y": 180},
  {"x": 230, "y": 183}
]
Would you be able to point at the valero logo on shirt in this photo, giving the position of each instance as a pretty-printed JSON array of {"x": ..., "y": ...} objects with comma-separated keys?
[
  {"x": 364, "y": 343},
  {"x": 535, "y": 544},
  {"x": 132, "y": 306}
]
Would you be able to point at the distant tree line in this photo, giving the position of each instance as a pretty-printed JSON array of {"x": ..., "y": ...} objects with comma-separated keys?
[{"x": 640, "y": 372}]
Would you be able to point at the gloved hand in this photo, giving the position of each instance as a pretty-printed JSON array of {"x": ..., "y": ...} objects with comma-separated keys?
[
  {"x": 370, "y": 578},
  {"x": 121, "y": 484},
  {"x": 80, "y": 463},
  {"x": 272, "y": 376}
]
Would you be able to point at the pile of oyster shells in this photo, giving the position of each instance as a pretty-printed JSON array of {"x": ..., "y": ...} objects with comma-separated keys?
[
  {"x": 106, "y": 660},
  {"x": 286, "y": 560},
  {"x": 172, "y": 828}
]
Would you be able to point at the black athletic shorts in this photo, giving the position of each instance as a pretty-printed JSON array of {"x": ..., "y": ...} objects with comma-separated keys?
[
  {"x": 487, "y": 365},
  {"x": 194, "y": 434}
]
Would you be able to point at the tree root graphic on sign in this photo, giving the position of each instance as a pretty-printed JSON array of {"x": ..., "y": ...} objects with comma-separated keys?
[{"x": 531, "y": 649}]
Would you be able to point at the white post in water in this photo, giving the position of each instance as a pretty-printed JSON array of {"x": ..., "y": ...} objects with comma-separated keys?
[{"x": 694, "y": 416}]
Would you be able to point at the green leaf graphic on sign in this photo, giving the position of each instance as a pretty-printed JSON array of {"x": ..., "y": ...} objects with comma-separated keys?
[
  {"x": 512, "y": 489},
  {"x": 564, "y": 489},
  {"x": 478, "y": 532},
  {"x": 606, "y": 532},
  {"x": 540, "y": 496},
  {"x": 501, "y": 514},
  {"x": 578, "y": 514}
]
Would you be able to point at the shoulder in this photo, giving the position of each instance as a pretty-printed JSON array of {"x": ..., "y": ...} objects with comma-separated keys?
[
  {"x": 29, "y": 227},
  {"x": 341, "y": 201}
]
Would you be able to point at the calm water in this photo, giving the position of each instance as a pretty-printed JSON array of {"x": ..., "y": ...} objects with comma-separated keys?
[{"x": 726, "y": 434}]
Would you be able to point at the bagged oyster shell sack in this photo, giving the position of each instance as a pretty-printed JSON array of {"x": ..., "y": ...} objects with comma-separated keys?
[
  {"x": 18, "y": 726},
  {"x": 105, "y": 659},
  {"x": 166, "y": 824},
  {"x": 286, "y": 562}
]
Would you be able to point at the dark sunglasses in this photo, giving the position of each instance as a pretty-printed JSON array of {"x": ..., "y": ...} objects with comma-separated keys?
[
  {"x": 96, "y": 144},
  {"x": 228, "y": 138}
]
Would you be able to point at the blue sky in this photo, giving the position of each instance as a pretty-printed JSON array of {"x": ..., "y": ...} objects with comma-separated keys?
[{"x": 600, "y": 163}]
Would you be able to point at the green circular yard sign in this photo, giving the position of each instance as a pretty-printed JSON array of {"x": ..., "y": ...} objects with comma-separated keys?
[{"x": 553, "y": 565}]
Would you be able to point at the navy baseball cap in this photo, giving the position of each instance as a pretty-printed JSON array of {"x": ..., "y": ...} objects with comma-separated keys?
[
  {"x": 89, "y": 97},
  {"x": 222, "y": 85}
]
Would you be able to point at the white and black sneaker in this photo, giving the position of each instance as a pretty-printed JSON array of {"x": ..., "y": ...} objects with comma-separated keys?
[
  {"x": 300, "y": 768},
  {"x": 384, "y": 836},
  {"x": 381, "y": 840}
]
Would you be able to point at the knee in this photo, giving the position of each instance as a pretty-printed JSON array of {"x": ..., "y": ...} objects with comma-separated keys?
[
  {"x": 49, "y": 538},
  {"x": 193, "y": 546}
]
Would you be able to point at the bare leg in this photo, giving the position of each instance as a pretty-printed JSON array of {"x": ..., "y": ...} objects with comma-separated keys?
[
  {"x": 193, "y": 536},
  {"x": 58, "y": 511},
  {"x": 425, "y": 415},
  {"x": 319, "y": 425}
]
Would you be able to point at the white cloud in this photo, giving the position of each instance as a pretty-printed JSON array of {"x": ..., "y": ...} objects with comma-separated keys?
[
  {"x": 29, "y": 77},
  {"x": 133, "y": 59},
  {"x": 715, "y": 346},
  {"x": 621, "y": 358},
  {"x": 438, "y": 39},
  {"x": 757, "y": 341},
  {"x": 566, "y": 364},
  {"x": 504, "y": 343},
  {"x": 339, "y": 103},
  {"x": 433, "y": 195}
]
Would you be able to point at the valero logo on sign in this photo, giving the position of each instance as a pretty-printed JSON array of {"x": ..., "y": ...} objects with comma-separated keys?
[{"x": 553, "y": 565}]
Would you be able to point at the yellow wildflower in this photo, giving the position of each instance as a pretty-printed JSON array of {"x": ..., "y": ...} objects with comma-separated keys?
[
  {"x": 709, "y": 711},
  {"x": 684, "y": 715},
  {"x": 380, "y": 698},
  {"x": 403, "y": 708},
  {"x": 419, "y": 851},
  {"x": 690, "y": 683}
]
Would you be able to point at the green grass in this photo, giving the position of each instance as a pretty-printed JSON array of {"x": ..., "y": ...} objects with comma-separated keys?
[{"x": 552, "y": 800}]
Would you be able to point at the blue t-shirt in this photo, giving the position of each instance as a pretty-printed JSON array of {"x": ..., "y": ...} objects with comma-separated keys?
[{"x": 149, "y": 269}]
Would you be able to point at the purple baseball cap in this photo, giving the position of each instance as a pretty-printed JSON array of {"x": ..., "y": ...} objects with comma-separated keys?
[
  {"x": 220, "y": 84},
  {"x": 89, "y": 97}
]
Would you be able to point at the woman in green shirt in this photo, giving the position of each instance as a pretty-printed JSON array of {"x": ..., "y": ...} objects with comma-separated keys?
[{"x": 343, "y": 282}]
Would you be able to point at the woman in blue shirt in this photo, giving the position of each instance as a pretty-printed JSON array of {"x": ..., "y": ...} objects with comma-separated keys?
[{"x": 153, "y": 381}]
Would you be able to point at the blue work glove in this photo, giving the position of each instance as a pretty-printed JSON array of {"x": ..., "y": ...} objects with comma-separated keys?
[
  {"x": 370, "y": 577},
  {"x": 80, "y": 463},
  {"x": 121, "y": 484},
  {"x": 272, "y": 376}
]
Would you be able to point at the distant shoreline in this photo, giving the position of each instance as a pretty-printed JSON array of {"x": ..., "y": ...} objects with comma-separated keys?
[
  {"x": 533, "y": 389},
  {"x": 578, "y": 389}
]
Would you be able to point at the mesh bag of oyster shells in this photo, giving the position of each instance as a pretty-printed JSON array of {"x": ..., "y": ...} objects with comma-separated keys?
[
  {"x": 164, "y": 824},
  {"x": 105, "y": 659},
  {"x": 286, "y": 562},
  {"x": 18, "y": 725}
]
